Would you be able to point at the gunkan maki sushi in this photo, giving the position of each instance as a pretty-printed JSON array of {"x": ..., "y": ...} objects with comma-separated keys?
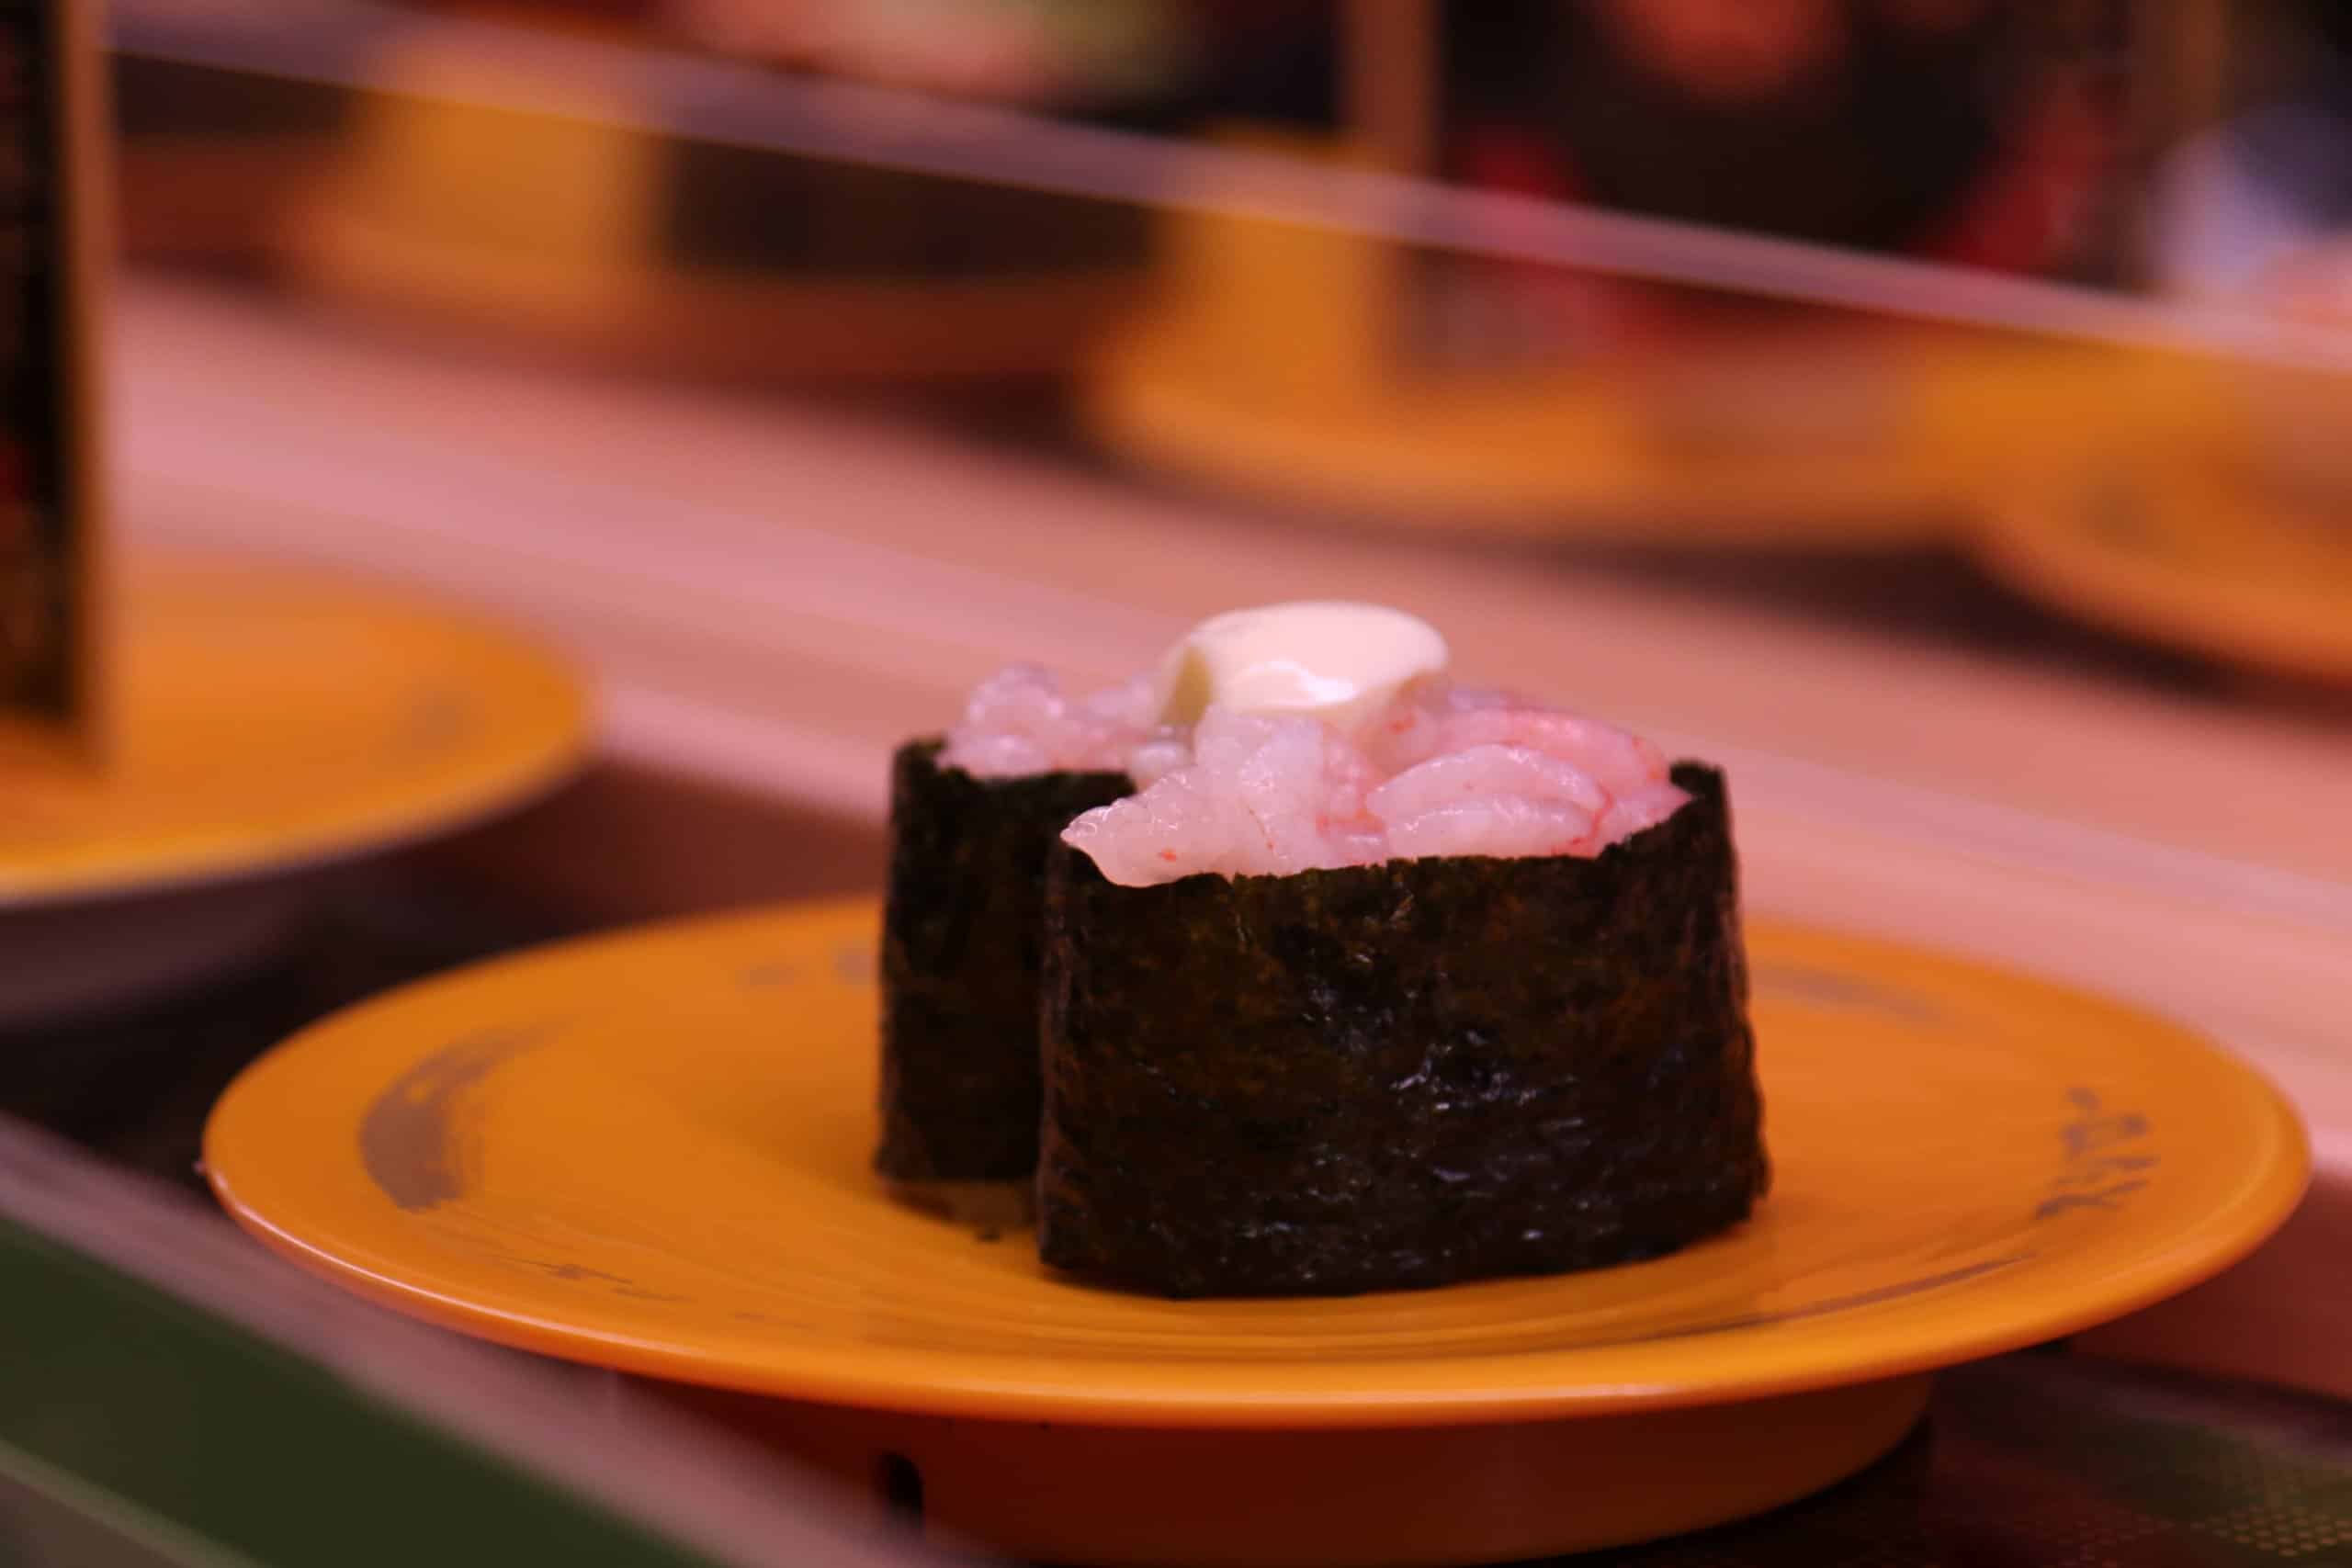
[
  {"x": 972, "y": 814},
  {"x": 1379, "y": 982}
]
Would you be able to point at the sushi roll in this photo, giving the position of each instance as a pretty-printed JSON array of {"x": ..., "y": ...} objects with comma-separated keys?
[
  {"x": 972, "y": 814},
  {"x": 1389, "y": 983}
]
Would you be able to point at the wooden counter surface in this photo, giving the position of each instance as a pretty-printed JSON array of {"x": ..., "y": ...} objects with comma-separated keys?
[{"x": 773, "y": 593}]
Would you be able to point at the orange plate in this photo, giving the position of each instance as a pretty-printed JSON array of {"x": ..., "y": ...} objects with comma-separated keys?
[
  {"x": 271, "y": 718},
  {"x": 2187, "y": 551},
  {"x": 1587, "y": 453},
  {"x": 649, "y": 1151},
  {"x": 1266, "y": 361}
]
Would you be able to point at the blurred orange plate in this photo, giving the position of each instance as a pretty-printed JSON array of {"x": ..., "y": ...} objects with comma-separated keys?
[
  {"x": 1268, "y": 361},
  {"x": 416, "y": 215},
  {"x": 2183, "y": 553},
  {"x": 1596, "y": 453},
  {"x": 272, "y": 719},
  {"x": 649, "y": 1152}
]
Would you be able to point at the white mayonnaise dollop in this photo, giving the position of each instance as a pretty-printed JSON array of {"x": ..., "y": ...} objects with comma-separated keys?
[{"x": 1321, "y": 658}]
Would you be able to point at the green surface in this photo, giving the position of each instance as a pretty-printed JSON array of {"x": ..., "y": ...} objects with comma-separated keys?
[
  {"x": 136, "y": 1430},
  {"x": 48, "y": 1516}
]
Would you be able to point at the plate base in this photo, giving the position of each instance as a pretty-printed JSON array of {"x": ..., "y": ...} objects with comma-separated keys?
[
  {"x": 60, "y": 962},
  {"x": 1400, "y": 1497}
]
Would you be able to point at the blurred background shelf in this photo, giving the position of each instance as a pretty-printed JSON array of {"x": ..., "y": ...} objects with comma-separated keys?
[{"x": 1218, "y": 256}]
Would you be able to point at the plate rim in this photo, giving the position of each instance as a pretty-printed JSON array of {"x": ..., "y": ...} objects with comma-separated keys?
[
  {"x": 945, "y": 1384},
  {"x": 526, "y": 775},
  {"x": 2034, "y": 544}
]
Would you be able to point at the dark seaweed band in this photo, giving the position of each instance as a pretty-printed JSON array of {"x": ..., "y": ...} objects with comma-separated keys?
[
  {"x": 1400, "y": 1075},
  {"x": 960, "y": 939}
]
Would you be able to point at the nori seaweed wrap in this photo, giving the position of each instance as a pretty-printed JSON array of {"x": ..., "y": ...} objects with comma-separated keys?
[
  {"x": 1399, "y": 1075},
  {"x": 961, "y": 931}
]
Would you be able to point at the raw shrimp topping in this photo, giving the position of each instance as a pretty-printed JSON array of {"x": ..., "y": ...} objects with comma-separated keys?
[
  {"x": 1441, "y": 770},
  {"x": 1017, "y": 722},
  {"x": 1312, "y": 735}
]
